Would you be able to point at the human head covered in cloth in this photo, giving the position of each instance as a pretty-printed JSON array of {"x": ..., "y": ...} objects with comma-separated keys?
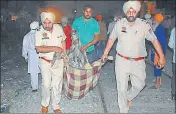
[
  {"x": 131, "y": 9},
  {"x": 64, "y": 21},
  {"x": 99, "y": 17},
  {"x": 158, "y": 18},
  {"x": 34, "y": 25},
  {"x": 47, "y": 19}
]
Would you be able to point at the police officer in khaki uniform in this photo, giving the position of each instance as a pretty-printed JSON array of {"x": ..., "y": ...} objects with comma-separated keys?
[
  {"x": 50, "y": 38},
  {"x": 131, "y": 33}
]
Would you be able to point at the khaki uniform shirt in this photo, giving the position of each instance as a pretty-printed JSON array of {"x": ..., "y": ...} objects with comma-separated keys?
[
  {"x": 46, "y": 38},
  {"x": 131, "y": 39}
]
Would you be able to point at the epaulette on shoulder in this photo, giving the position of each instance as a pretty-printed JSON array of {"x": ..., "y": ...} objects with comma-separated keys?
[
  {"x": 59, "y": 24},
  {"x": 145, "y": 21},
  {"x": 122, "y": 20}
]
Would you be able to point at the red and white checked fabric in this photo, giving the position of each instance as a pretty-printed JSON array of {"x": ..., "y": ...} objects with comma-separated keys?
[{"x": 78, "y": 82}]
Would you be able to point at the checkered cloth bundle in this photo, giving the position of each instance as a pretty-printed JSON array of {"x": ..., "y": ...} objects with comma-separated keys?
[
  {"x": 79, "y": 79},
  {"x": 78, "y": 82}
]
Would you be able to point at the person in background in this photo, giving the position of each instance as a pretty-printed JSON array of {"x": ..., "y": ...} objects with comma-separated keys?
[
  {"x": 148, "y": 18},
  {"x": 111, "y": 26},
  {"x": 87, "y": 30},
  {"x": 171, "y": 44},
  {"x": 67, "y": 30},
  {"x": 31, "y": 56},
  {"x": 160, "y": 33},
  {"x": 167, "y": 23},
  {"x": 103, "y": 36}
]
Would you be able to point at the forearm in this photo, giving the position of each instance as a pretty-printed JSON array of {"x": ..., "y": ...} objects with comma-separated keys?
[
  {"x": 64, "y": 46},
  {"x": 94, "y": 41},
  {"x": 108, "y": 46},
  {"x": 158, "y": 48},
  {"x": 164, "y": 47},
  {"x": 45, "y": 49}
]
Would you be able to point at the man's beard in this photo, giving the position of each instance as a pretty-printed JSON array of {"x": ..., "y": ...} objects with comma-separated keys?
[
  {"x": 131, "y": 18},
  {"x": 87, "y": 16},
  {"x": 48, "y": 28}
]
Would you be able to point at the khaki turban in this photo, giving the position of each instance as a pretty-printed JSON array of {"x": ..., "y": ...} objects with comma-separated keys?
[
  {"x": 131, "y": 4},
  {"x": 49, "y": 15}
]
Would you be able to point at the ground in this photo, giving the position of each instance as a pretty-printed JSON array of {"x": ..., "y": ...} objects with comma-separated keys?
[{"x": 17, "y": 96}]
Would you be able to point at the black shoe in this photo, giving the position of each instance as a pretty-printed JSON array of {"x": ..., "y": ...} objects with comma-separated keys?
[
  {"x": 35, "y": 90},
  {"x": 173, "y": 97}
]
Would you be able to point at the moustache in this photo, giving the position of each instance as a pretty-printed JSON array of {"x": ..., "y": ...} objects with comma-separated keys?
[
  {"x": 87, "y": 16},
  {"x": 48, "y": 28},
  {"x": 131, "y": 18}
]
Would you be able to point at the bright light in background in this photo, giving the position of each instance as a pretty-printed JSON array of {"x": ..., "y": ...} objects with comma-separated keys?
[{"x": 75, "y": 10}]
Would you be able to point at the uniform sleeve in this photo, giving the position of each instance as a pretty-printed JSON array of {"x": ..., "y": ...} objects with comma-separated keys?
[
  {"x": 115, "y": 34},
  {"x": 149, "y": 34},
  {"x": 97, "y": 28},
  {"x": 171, "y": 43},
  {"x": 38, "y": 39},
  {"x": 63, "y": 35},
  {"x": 25, "y": 47}
]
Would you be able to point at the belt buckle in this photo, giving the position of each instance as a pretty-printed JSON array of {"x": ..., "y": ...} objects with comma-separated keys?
[{"x": 131, "y": 59}]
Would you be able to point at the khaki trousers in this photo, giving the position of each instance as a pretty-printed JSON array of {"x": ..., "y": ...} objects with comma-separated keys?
[
  {"x": 52, "y": 80},
  {"x": 136, "y": 70}
]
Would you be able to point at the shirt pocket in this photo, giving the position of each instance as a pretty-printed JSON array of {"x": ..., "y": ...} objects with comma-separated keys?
[
  {"x": 58, "y": 41},
  {"x": 123, "y": 36},
  {"x": 45, "y": 42},
  {"x": 139, "y": 36}
]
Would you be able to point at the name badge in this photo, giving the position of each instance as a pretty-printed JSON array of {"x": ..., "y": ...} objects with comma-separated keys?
[
  {"x": 124, "y": 29},
  {"x": 45, "y": 38}
]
